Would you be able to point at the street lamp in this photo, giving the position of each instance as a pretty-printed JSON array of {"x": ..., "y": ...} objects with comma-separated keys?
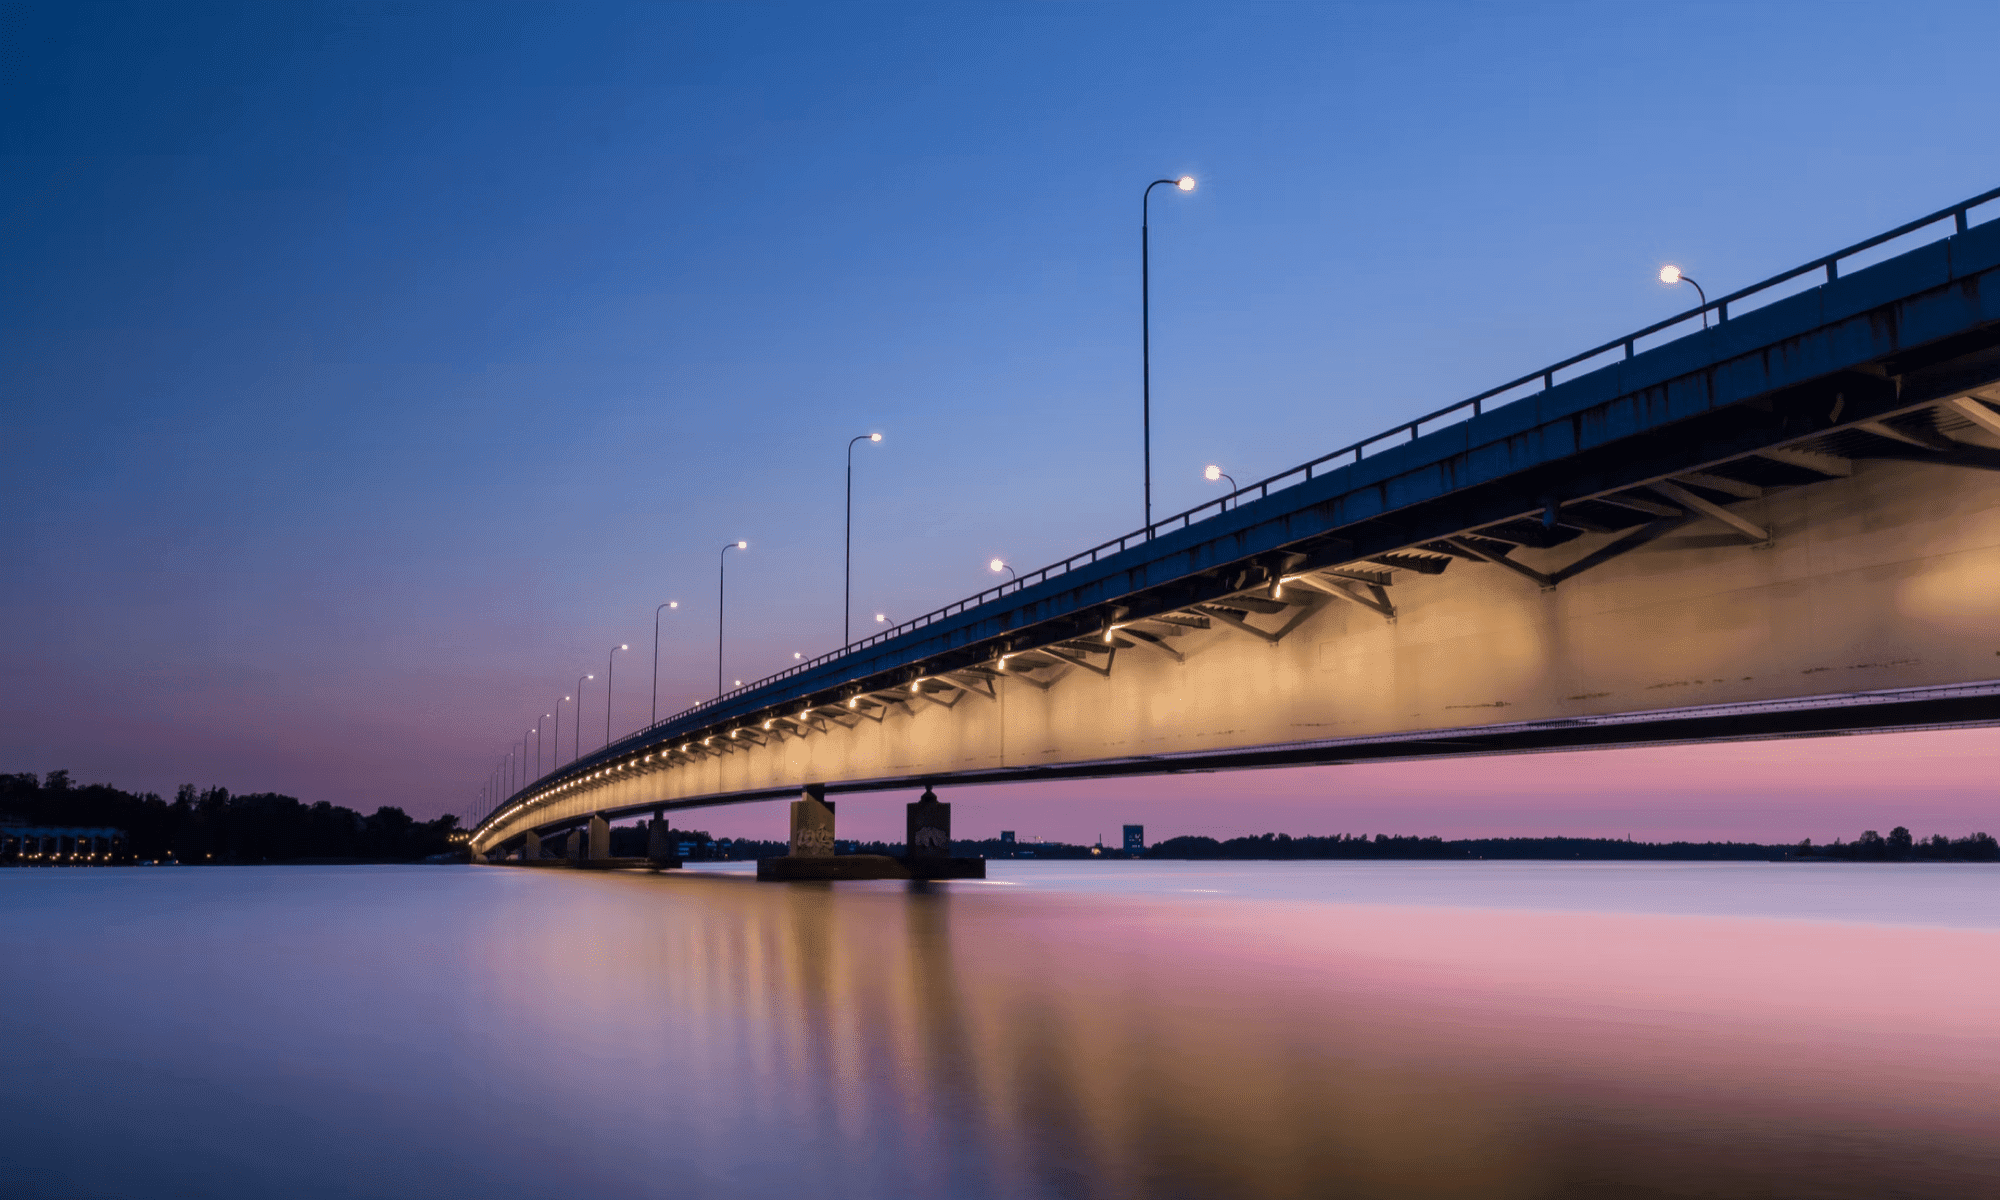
[
  {"x": 847, "y": 586},
  {"x": 656, "y": 661},
  {"x": 998, "y": 565},
  {"x": 609, "y": 659},
  {"x": 576, "y": 735},
  {"x": 1186, "y": 184},
  {"x": 538, "y": 744},
  {"x": 1213, "y": 473},
  {"x": 722, "y": 577},
  {"x": 1671, "y": 275},
  {"x": 555, "y": 743}
]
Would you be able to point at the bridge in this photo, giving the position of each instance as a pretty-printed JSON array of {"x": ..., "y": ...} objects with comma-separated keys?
[{"x": 1773, "y": 515}]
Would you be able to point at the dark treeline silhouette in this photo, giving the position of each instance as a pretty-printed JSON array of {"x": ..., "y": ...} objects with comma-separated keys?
[
  {"x": 213, "y": 826},
  {"x": 1899, "y": 846}
]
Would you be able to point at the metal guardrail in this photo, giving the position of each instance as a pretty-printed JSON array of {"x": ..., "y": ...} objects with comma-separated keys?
[{"x": 1409, "y": 430}]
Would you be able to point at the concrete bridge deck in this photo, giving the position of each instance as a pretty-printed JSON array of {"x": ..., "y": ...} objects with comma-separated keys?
[{"x": 1783, "y": 524}]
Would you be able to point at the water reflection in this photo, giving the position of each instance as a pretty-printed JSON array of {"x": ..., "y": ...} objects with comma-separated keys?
[{"x": 543, "y": 1033}]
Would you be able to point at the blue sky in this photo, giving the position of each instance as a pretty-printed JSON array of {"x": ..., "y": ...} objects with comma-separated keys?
[{"x": 370, "y": 370}]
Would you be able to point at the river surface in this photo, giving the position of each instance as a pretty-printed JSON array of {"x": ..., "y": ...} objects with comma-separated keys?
[{"x": 1111, "y": 1029}]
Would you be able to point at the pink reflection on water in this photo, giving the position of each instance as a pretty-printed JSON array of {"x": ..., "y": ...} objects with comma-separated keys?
[{"x": 1162, "y": 1047}]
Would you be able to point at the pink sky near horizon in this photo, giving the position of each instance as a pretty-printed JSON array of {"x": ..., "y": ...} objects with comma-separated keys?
[{"x": 1768, "y": 791}]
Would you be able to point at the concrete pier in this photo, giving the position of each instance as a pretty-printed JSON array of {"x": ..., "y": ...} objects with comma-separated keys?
[
  {"x": 660, "y": 841},
  {"x": 927, "y": 826},
  {"x": 812, "y": 856},
  {"x": 600, "y": 837},
  {"x": 812, "y": 824}
]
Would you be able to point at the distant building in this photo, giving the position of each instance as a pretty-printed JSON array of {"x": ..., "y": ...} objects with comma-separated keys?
[
  {"x": 1135, "y": 839},
  {"x": 1007, "y": 835}
]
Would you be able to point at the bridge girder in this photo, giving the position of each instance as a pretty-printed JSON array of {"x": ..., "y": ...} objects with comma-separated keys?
[{"x": 1695, "y": 454}]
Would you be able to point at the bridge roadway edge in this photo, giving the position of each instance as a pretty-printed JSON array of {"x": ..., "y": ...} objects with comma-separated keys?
[
  {"x": 1835, "y": 715},
  {"x": 1874, "y": 343}
]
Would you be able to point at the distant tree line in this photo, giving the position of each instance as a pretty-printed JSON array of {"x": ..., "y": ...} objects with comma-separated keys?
[
  {"x": 1899, "y": 846},
  {"x": 213, "y": 826}
]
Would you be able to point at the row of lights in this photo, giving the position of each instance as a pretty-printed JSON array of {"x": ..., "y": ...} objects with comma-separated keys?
[
  {"x": 1213, "y": 473},
  {"x": 1184, "y": 183}
]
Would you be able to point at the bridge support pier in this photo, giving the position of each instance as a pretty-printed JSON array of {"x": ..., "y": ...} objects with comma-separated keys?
[
  {"x": 659, "y": 840},
  {"x": 927, "y": 826},
  {"x": 812, "y": 857},
  {"x": 573, "y": 850},
  {"x": 812, "y": 824},
  {"x": 531, "y": 846},
  {"x": 600, "y": 836}
]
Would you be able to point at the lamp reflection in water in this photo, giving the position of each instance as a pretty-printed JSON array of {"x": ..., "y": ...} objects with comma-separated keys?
[{"x": 1006, "y": 1042}]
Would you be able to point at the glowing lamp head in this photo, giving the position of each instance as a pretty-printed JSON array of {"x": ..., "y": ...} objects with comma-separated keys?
[
  {"x": 1185, "y": 183},
  {"x": 673, "y": 604},
  {"x": 996, "y": 566},
  {"x": 1670, "y": 274},
  {"x": 622, "y": 646},
  {"x": 743, "y": 545},
  {"x": 881, "y": 618},
  {"x": 1212, "y": 473},
  {"x": 874, "y": 437}
]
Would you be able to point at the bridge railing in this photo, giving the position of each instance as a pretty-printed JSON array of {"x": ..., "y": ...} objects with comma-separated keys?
[{"x": 1959, "y": 214}]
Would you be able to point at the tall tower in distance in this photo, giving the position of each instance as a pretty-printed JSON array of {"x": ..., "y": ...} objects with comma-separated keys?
[{"x": 1135, "y": 839}]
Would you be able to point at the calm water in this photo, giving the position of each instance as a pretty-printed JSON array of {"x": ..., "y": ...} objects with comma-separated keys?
[{"x": 1064, "y": 1030}]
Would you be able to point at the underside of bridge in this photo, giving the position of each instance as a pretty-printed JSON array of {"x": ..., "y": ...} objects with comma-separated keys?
[{"x": 1783, "y": 526}]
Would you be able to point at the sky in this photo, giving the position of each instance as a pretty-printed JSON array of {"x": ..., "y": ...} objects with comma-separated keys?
[{"x": 370, "y": 370}]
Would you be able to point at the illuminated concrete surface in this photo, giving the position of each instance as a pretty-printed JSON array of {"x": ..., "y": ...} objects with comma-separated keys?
[{"x": 1788, "y": 524}]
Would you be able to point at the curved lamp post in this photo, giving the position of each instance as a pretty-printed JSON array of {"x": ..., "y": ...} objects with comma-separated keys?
[
  {"x": 555, "y": 743},
  {"x": 576, "y": 735},
  {"x": 722, "y": 577},
  {"x": 1186, "y": 184},
  {"x": 1671, "y": 275},
  {"x": 847, "y": 587},
  {"x": 656, "y": 661},
  {"x": 1213, "y": 473},
  {"x": 610, "y": 659},
  {"x": 1000, "y": 564}
]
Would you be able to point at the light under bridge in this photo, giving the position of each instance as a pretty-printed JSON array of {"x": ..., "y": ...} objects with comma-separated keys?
[{"x": 1782, "y": 522}]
